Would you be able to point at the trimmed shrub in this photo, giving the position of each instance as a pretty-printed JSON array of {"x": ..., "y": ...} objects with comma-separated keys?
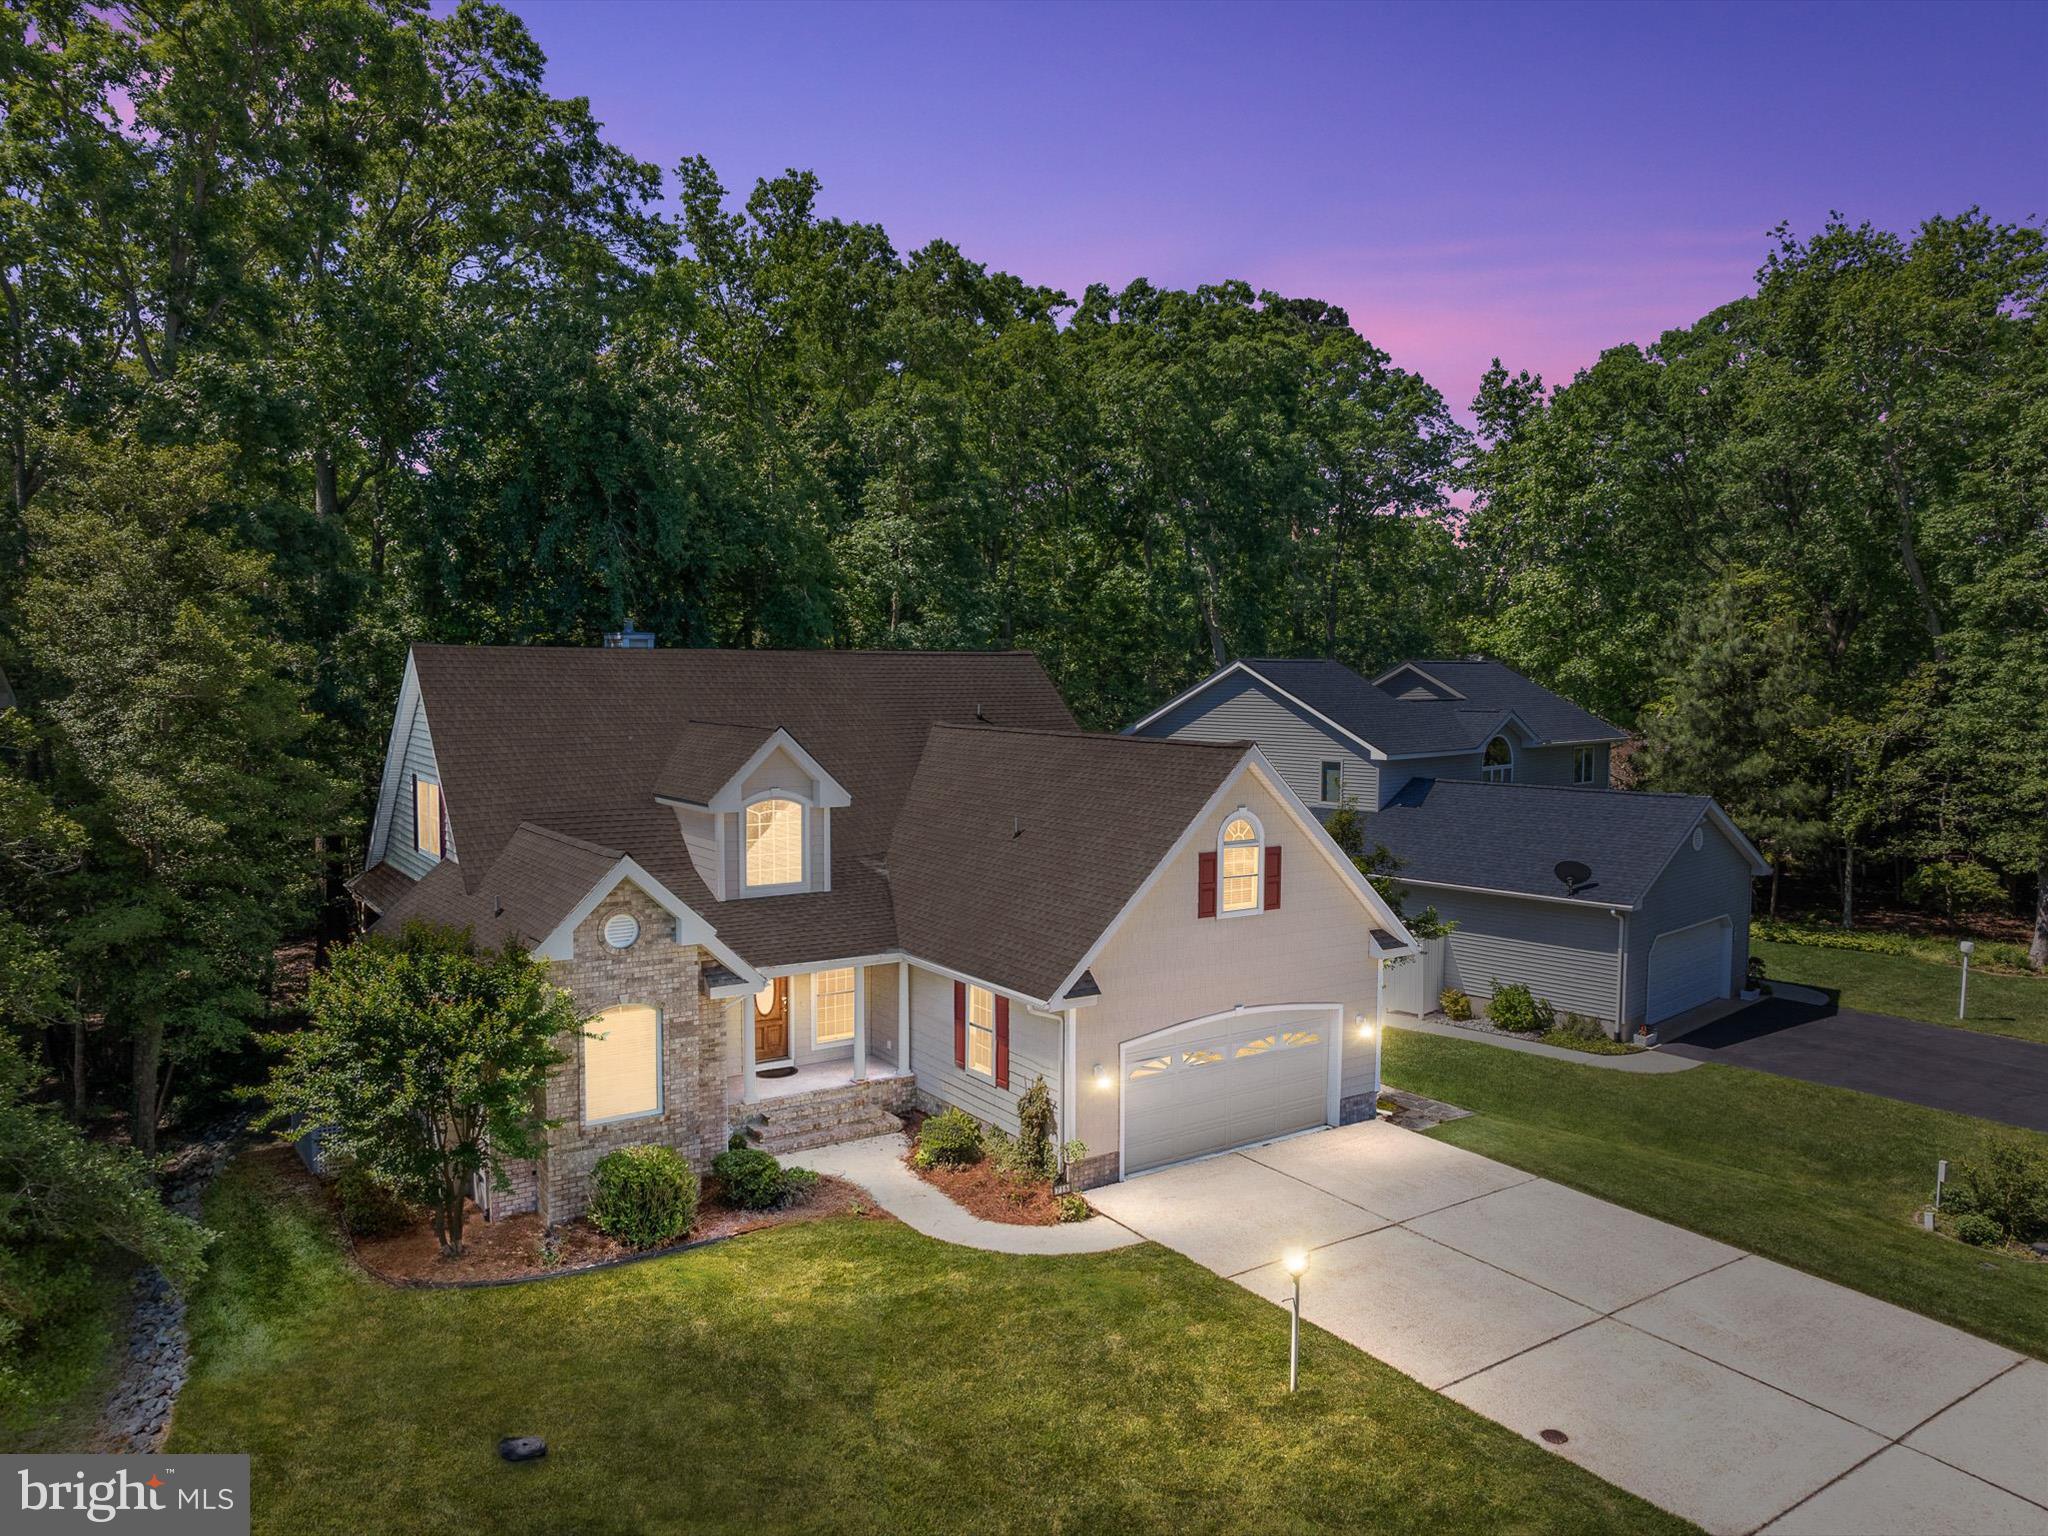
[
  {"x": 1978, "y": 1231},
  {"x": 949, "y": 1139},
  {"x": 1454, "y": 1003},
  {"x": 2007, "y": 1186},
  {"x": 1073, "y": 1208},
  {"x": 643, "y": 1196},
  {"x": 1037, "y": 1131},
  {"x": 368, "y": 1208},
  {"x": 753, "y": 1180},
  {"x": 1514, "y": 1008}
]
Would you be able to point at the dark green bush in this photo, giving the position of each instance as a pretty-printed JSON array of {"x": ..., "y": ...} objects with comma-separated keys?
[
  {"x": 1454, "y": 1003},
  {"x": 1979, "y": 1231},
  {"x": 368, "y": 1208},
  {"x": 752, "y": 1180},
  {"x": 1037, "y": 1131},
  {"x": 951, "y": 1138},
  {"x": 1513, "y": 1008},
  {"x": 2008, "y": 1186},
  {"x": 643, "y": 1196}
]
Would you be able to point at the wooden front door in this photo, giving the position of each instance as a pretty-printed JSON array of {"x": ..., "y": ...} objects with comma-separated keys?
[{"x": 771, "y": 1020}]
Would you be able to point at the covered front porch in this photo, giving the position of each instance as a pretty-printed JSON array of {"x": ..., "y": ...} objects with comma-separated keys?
[{"x": 813, "y": 1028}]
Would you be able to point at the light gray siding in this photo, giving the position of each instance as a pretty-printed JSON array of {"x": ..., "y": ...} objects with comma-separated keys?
[
  {"x": 1567, "y": 955},
  {"x": 1699, "y": 883},
  {"x": 1034, "y": 1053},
  {"x": 882, "y": 1033},
  {"x": 416, "y": 760},
  {"x": 1553, "y": 765},
  {"x": 1239, "y": 708}
]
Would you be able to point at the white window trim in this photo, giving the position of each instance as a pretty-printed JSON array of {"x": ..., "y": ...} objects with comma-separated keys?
[
  {"x": 818, "y": 1041},
  {"x": 803, "y": 842},
  {"x": 1258, "y": 877},
  {"x": 973, "y": 1029},
  {"x": 1590, "y": 758},
  {"x": 1323, "y": 787},
  {"x": 660, "y": 1079},
  {"x": 1497, "y": 773},
  {"x": 440, "y": 819}
]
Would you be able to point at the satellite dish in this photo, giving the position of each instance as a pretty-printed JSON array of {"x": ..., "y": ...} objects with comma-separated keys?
[{"x": 1573, "y": 874}]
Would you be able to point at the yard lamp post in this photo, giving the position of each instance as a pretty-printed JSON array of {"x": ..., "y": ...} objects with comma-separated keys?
[
  {"x": 1963, "y": 998},
  {"x": 1296, "y": 1265}
]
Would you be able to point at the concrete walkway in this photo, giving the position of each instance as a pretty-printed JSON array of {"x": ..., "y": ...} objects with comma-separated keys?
[
  {"x": 1738, "y": 1393},
  {"x": 1645, "y": 1061},
  {"x": 876, "y": 1165}
]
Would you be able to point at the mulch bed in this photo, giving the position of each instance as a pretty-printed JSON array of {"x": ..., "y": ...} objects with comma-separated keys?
[
  {"x": 511, "y": 1248},
  {"x": 984, "y": 1190}
]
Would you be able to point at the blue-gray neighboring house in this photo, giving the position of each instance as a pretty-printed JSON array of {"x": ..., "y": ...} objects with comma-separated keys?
[{"x": 1485, "y": 785}]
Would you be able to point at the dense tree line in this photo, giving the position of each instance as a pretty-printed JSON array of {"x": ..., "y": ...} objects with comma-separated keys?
[{"x": 324, "y": 328}]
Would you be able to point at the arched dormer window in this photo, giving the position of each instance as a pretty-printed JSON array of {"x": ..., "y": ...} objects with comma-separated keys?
[
  {"x": 775, "y": 843},
  {"x": 1242, "y": 847},
  {"x": 1498, "y": 766}
]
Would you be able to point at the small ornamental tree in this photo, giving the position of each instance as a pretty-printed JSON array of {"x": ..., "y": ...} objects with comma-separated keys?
[{"x": 426, "y": 1062}]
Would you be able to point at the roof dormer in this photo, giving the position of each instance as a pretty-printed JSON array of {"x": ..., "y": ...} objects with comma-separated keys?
[{"x": 755, "y": 808}]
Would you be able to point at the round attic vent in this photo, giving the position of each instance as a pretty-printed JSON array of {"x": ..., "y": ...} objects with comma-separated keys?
[
  {"x": 1698, "y": 838},
  {"x": 621, "y": 929}
]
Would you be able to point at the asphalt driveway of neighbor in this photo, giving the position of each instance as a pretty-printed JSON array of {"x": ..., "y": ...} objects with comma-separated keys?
[
  {"x": 1990, "y": 1076},
  {"x": 1736, "y": 1392}
]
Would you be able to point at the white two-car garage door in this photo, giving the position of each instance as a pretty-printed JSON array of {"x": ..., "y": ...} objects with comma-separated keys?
[
  {"x": 1688, "y": 966},
  {"x": 1222, "y": 1082}
]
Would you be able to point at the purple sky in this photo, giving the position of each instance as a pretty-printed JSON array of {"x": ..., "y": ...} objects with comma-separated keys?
[{"x": 1537, "y": 181}]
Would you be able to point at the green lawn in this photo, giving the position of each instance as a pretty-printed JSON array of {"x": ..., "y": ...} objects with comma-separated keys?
[
  {"x": 840, "y": 1375},
  {"x": 1913, "y": 989},
  {"x": 1819, "y": 1178}
]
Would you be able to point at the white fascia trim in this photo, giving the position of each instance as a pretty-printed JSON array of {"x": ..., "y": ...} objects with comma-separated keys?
[
  {"x": 1495, "y": 890},
  {"x": 394, "y": 764},
  {"x": 830, "y": 792},
  {"x": 691, "y": 928},
  {"x": 1254, "y": 761},
  {"x": 1264, "y": 681},
  {"x": 805, "y": 968},
  {"x": 1427, "y": 677}
]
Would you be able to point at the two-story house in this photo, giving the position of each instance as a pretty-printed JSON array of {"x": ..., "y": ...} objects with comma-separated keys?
[
  {"x": 797, "y": 891},
  {"x": 1492, "y": 792}
]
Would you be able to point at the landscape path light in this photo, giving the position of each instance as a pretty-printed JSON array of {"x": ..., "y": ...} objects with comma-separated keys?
[
  {"x": 1963, "y": 1000},
  {"x": 1296, "y": 1265}
]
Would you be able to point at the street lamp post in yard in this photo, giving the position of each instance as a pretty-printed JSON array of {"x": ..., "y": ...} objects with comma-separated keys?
[
  {"x": 1963, "y": 998},
  {"x": 1296, "y": 1265}
]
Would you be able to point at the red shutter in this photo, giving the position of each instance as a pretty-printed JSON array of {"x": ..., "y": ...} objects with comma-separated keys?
[
  {"x": 1205, "y": 887},
  {"x": 1002, "y": 1041},
  {"x": 1272, "y": 879},
  {"x": 959, "y": 1023}
]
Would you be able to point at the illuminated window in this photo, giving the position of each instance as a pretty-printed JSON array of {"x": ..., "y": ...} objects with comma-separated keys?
[
  {"x": 426, "y": 817},
  {"x": 775, "y": 843},
  {"x": 1201, "y": 1058},
  {"x": 1151, "y": 1066},
  {"x": 1241, "y": 850},
  {"x": 834, "y": 1019},
  {"x": 981, "y": 1031},
  {"x": 622, "y": 1064},
  {"x": 1498, "y": 766},
  {"x": 1256, "y": 1047}
]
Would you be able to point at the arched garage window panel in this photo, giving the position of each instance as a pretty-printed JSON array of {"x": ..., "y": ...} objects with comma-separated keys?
[
  {"x": 1498, "y": 767},
  {"x": 1242, "y": 848},
  {"x": 622, "y": 1064},
  {"x": 775, "y": 843}
]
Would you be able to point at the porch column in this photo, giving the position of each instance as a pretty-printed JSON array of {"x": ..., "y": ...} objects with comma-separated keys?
[
  {"x": 902, "y": 1016},
  {"x": 1070, "y": 1072},
  {"x": 1379, "y": 1030},
  {"x": 860, "y": 1023},
  {"x": 750, "y": 1086}
]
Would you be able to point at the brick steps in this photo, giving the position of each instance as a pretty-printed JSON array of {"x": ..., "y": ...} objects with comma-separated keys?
[
  {"x": 782, "y": 1140},
  {"x": 824, "y": 1116}
]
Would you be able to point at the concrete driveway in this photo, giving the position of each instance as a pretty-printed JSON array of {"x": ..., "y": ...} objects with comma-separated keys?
[
  {"x": 1990, "y": 1076},
  {"x": 1738, "y": 1393}
]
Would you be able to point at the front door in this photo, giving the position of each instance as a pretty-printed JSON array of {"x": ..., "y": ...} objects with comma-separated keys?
[{"x": 771, "y": 1020}]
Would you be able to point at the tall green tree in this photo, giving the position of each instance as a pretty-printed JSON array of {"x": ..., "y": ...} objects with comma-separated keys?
[{"x": 184, "y": 746}]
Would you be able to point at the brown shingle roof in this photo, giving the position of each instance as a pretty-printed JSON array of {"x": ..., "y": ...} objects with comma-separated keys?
[
  {"x": 1016, "y": 849},
  {"x": 707, "y": 754}
]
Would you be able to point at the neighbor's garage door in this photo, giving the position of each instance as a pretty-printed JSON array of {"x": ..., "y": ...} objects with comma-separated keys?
[
  {"x": 1221, "y": 1082},
  {"x": 1688, "y": 966}
]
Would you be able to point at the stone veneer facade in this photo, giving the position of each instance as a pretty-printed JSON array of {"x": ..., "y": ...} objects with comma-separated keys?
[{"x": 657, "y": 971}]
